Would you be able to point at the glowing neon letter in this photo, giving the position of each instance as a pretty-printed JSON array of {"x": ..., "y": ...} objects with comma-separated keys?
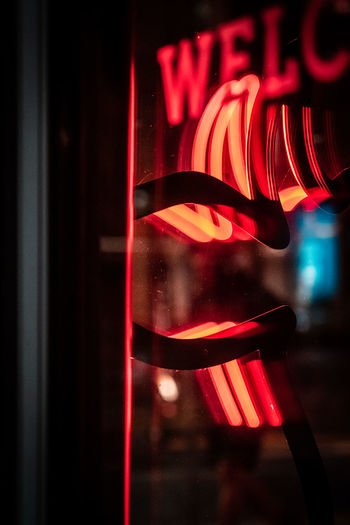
[
  {"x": 189, "y": 79},
  {"x": 322, "y": 70},
  {"x": 277, "y": 83},
  {"x": 232, "y": 61}
]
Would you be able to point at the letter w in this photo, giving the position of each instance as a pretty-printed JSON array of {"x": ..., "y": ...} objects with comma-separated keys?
[{"x": 189, "y": 78}]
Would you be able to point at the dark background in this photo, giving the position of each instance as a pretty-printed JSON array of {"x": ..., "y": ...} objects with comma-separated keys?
[{"x": 65, "y": 74}]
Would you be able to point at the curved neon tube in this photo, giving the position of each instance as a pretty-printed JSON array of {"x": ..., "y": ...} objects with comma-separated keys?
[
  {"x": 265, "y": 396},
  {"x": 288, "y": 146},
  {"x": 224, "y": 394},
  {"x": 239, "y": 387},
  {"x": 198, "y": 225},
  {"x": 290, "y": 197},
  {"x": 242, "y": 389}
]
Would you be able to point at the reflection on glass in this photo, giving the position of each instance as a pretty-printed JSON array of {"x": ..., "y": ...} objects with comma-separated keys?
[{"x": 208, "y": 444}]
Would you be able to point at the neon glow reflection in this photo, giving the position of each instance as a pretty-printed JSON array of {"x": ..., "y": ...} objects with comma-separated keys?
[
  {"x": 228, "y": 110},
  {"x": 241, "y": 387},
  {"x": 232, "y": 117}
]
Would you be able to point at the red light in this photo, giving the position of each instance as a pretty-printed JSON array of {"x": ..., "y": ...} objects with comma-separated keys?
[
  {"x": 277, "y": 83},
  {"x": 291, "y": 197},
  {"x": 185, "y": 67},
  {"x": 238, "y": 142},
  {"x": 210, "y": 396},
  {"x": 197, "y": 331},
  {"x": 226, "y": 114},
  {"x": 222, "y": 117},
  {"x": 228, "y": 328},
  {"x": 196, "y": 224},
  {"x": 211, "y": 330},
  {"x": 233, "y": 113},
  {"x": 239, "y": 387},
  {"x": 288, "y": 145},
  {"x": 190, "y": 79},
  {"x": 223, "y": 391},
  {"x": 267, "y": 180},
  {"x": 310, "y": 149},
  {"x": 248, "y": 382},
  {"x": 204, "y": 127},
  {"x": 128, "y": 280},
  {"x": 266, "y": 399}
]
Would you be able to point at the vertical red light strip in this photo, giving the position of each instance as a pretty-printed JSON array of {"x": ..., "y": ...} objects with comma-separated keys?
[
  {"x": 220, "y": 119},
  {"x": 266, "y": 399},
  {"x": 288, "y": 146},
  {"x": 216, "y": 144},
  {"x": 128, "y": 313},
  {"x": 247, "y": 383},
  {"x": 237, "y": 149},
  {"x": 223, "y": 391},
  {"x": 236, "y": 379},
  {"x": 210, "y": 396},
  {"x": 216, "y": 373},
  {"x": 272, "y": 118},
  {"x": 239, "y": 387}
]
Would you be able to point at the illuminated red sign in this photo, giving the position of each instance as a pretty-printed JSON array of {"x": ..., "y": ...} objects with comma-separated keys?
[
  {"x": 185, "y": 67},
  {"x": 239, "y": 123},
  {"x": 242, "y": 387}
]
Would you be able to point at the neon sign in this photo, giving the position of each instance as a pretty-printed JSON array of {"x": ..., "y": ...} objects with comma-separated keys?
[
  {"x": 234, "y": 123},
  {"x": 232, "y": 115},
  {"x": 185, "y": 68},
  {"x": 241, "y": 387},
  {"x": 229, "y": 108},
  {"x": 237, "y": 126}
]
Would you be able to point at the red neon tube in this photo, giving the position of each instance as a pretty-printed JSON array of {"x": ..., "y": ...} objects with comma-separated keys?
[
  {"x": 128, "y": 312},
  {"x": 224, "y": 394},
  {"x": 243, "y": 397},
  {"x": 265, "y": 396}
]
